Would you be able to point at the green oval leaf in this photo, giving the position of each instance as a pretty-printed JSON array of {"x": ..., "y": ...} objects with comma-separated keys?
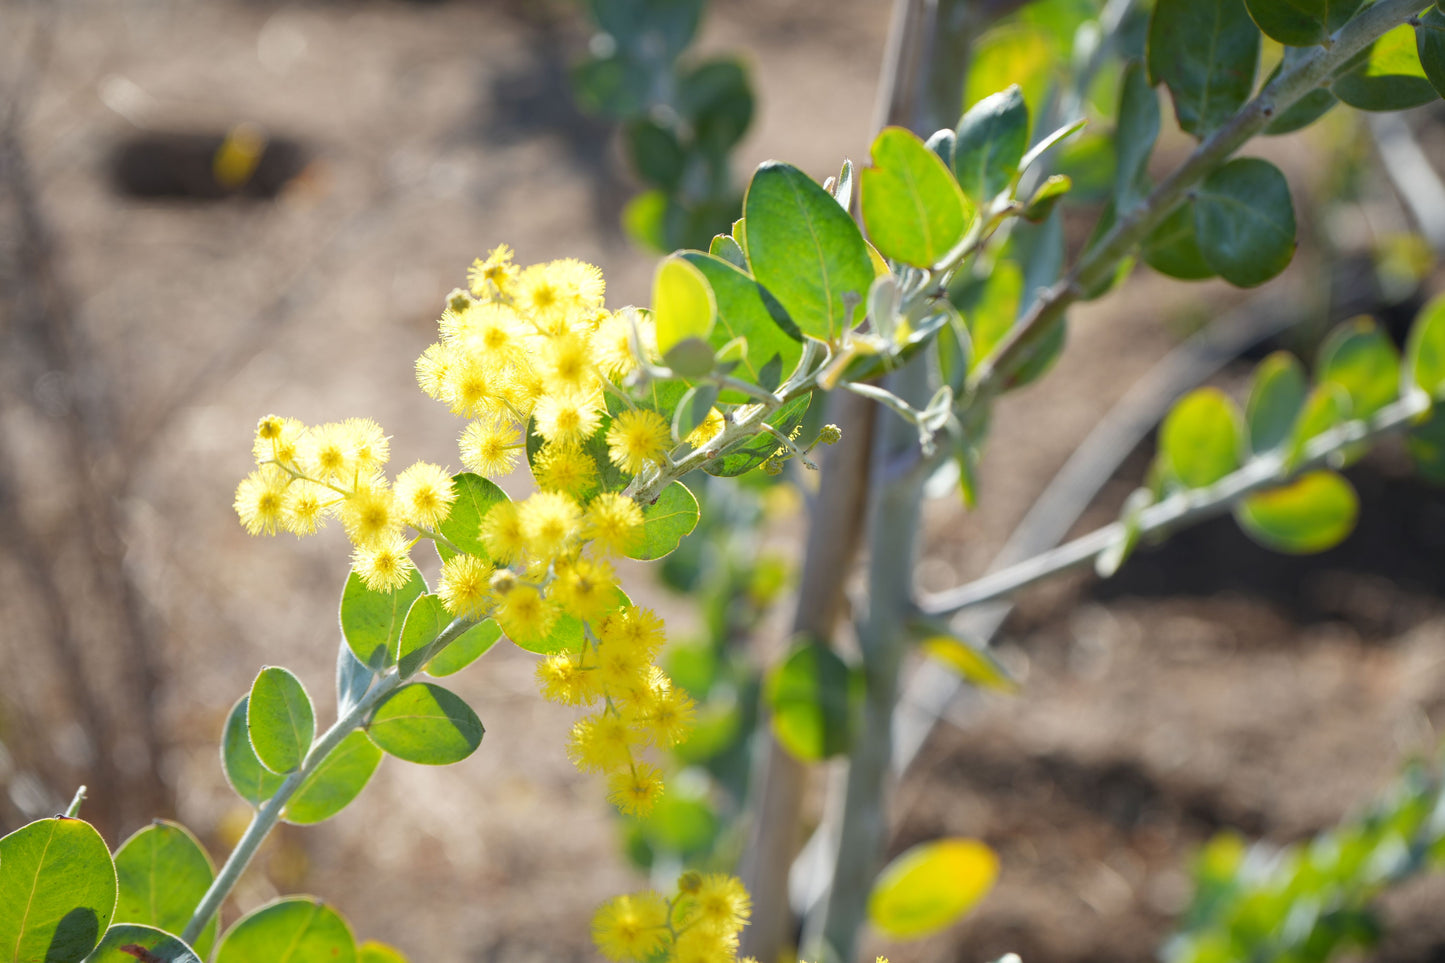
[
  {"x": 1200, "y": 439},
  {"x": 1172, "y": 248},
  {"x": 913, "y": 208},
  {"x": 466, "y": 649},
  {"x": 683, "y": 306},
  {"x": 989, "y": 144},
  {"x": 1327, "y": 406},
  {"x": 371, "y": 621},
  {"x": 666, "y": 522},
  {"x": 1244, "y": 221},
  {"x": 163, "y": 873},
  {"x": 335, "y": 782},
  {"x": 1206, "y": 52},
  {"x": 1387, "y": 75},
  {"x": 424, "y": 622},
  {"x": 1425, "y": 351},
  {"x": 1134, "y": 135},
  {"x": 1426, "y": 443},
  {"x": 280, "y": 720},
  {"x": 1315, "y": 512},
  {"x": 1360, "y": 358},
  {"x": 806, "y": 250},
  {"x": 252, "y": 781},
  {"x": 462, "y": 526},
  {"x": 1275, "y": 401},
  {"x": 1430, "y": 47},
  {"x": 427, "y": 724},
  {"x": 931, "y": 886},
  {"x": 57, "y": 891},
  {"x": 132, "y": 942},
  {"x": 1301, "y": 23},
  {"x": 772, "y": 343},
  {"x": 725, "y": 248},
  {"x": 810, "y": 696},
  {"x": 300, "y": 929}
]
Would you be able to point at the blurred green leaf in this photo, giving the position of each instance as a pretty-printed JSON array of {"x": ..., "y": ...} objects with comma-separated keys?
[
  {"x": 718, "y": 101},
  {"x": 335, "y": 782},
  {"x": 1426, "y": 442},
  {"x": 280, "y": 720},
  {"x": 1360, "y": 358},
  {"x": 374, "y": 952},
  {"x": 1386, "y": 76},
  {"x": 655, "y": 153},
  {"x": 1206, "y": 52},
  {"x": 1315, "y": 512},
  {"x": 1049, "y": 193},
  {"x": 1244, "y": 221},
  {"x": 371, "y": 621},
  {"x": 683, "y": 307},
  {"x": 810, "y": 699},
  {"x": 426, "y": 724},
  {"x": 1018, "y": 54},
  {"x": 912, "y": 206},
  {"x": 1301, "y": 23},
  {"x": 806, "y": 250},
  {"x": 57, "y": 891},
  {"x": 1200, "y": 439},
  {"x": 1425, "y": 351},
  {"x": 1327, "y": 405},
  {"x": 972, "y": 663},
  {"x": 989, "y": 144},
  {"x": 991, "y": 312},
  {"x": 1430, "y": 47},
  {"x": 1276, "y": 400},
  {"x": 163, "y": 872},
  {"x": 931, "y": 886},
  {"x": 1172, "y": 248},
  {"x": 300, "y": 929},
  {"x": 1134, "y": 135}
]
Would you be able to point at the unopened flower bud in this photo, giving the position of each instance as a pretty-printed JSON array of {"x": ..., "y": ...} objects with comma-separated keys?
[
  {"x": 830, "y": 435},
  {"x": 503, "y": 581},
  {"x": 458, "y": 300}
]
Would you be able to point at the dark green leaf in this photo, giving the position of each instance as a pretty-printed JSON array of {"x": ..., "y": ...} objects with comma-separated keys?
[
  {"x": 1172, "y": 248},
  {"x": 989, "y": 144},
  {"x": 1301, "y": 23},
  {"x": 1360, "y": 358},
  {"x": 746, "y": 310},
  {"x": 1244, "y": 221},
  {"x": 941, "y": 143},
  {"x": 912, "y": 206},
  {"x": 665, "y": 522},
  {"x": 463, "y": 651},
  {"x": 1206, "y": 52},
  {"x": 1275, "y": 401},
  {"x": 806, "y": 250},
  {"x": 251, "y": 780},
  {"x": 1201, "y": 439},
  {"x": 1315, "y": 512},
  {"x": 427, "y": 724},
  {"x": 1386, "y": 76},
  {"x": 654, "y": 152},
  {"x": 1134, "y": 135},
  {"x": 1426, "y": 443},
  {"x": 1430, "y": 47},
  {"x": 810, "y": 699},
  {"x": 131, "y": 942},
  {"x": 371, "y": 621},
  {"x": 1039, "y": 357},
  {"x": 1303, "y": 112},
  {"x": 718, "y": 101},
  {"x": 335, "y": 781},
  {"x": 614, "y": 86},
  {"x": 1425, "y": 352},
  {"x": 280, "y": 720},
  {"x": 301, "y": 929},
  {"x": 462, "y": 527},
  {"x": 352, "y": 678},
  {"x": 163, "y": 872},
  {"x": 57, "y": 891}
]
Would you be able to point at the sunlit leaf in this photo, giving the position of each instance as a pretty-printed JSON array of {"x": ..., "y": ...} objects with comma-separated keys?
[
  {"x": 1315, "y": 512},
  {"x": 931, "y": 886}
]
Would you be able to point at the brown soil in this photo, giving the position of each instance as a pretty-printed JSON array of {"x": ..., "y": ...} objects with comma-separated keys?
[{"x": 1207, "y": 688}]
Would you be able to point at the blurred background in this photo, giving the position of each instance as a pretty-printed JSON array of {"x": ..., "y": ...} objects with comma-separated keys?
[{"x": 212, "y": 212}]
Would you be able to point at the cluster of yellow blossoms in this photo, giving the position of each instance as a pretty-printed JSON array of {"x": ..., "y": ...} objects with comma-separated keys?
[
  {"x": 698, "y": 924},
  {"x": 528, "y": 351}
]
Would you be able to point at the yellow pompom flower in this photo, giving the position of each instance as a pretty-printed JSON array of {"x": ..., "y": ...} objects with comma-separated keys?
[
  {"x": 550, "y": 294},
  {"x": 565, "y": 468},
  {"x": 586, "y": 589},
  {"x": 371, "y": 513},
  {"x": 494, "y": 276},
  {"x": 614, "y": 523},
  {"x": 621, "y": 667},
  {"x": 563, "y": 679},
  {"x": 307, "y": 504},
  {"x": 489, "y": 447},
  {"x": 465, "y": 587},
  {"x": 631, "y": 927},
  {"x": 601, "y": 743},
  {"x": 432, "y": 368},
  {"x": 550, "y": 522},
  {"x": 721, "y": 904},
  {"x": 501, "y": 533},
  {"x": 567, "y": 365},
  {"x": 568, "y": 417},
  {"x": 369, "y": 445},
  {"x": 386, "y": 566},
  {"x": 261, "y": 499},
  {"x": 469, "y": 389},
  {"x": 426, "y": 494},
  {"x": 494, "y": 332},
  {"x": 525, "y": 615},
  {"x": 277, "y": 439},
  {"x": 669, "y": 717},
  {"x": 637, "y": 439},
  {"x": 635, "y": 791},
  {"x": 325, "y": 453},
  {"x": 612, "y": 345},
  {"x": 635, "y": 628},
  {"x": 704, "y": 946}
]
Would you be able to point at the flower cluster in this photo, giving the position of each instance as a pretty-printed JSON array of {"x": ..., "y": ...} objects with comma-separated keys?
[
  {"x": 698, "y": 924},
  {"x": 307, "y": 474}
]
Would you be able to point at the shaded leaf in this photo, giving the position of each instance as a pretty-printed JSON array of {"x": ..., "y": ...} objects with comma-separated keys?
[
  {"x": 1244, "y": 221},
  {"x": 1172, "y": 248},
  {"x": 1301, "y": 23},
  {"x": 809, "y": 696},
  {"x": 1134, "y": 134},
  {"x": 1425, "y": 351},
  {"x": 1387, "y": 75},
  {"x": 1360, "y": 358},
  {"x": 163, "y": 872},
  {"x": 1206, "y": 52},
  {"x": 1430, "y": 47},
  {"x": 132, "y": 942},
  {"x": 989, "y": 144},
  {"x": 252, "y": 781},
  {"x": 1276, "y": 400},
  {"x": 426, "y": 724},
  {"x": 371, "y": 621},
  {"x": 335, "y": 782},
  {"x": 772, "y": 343}
]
